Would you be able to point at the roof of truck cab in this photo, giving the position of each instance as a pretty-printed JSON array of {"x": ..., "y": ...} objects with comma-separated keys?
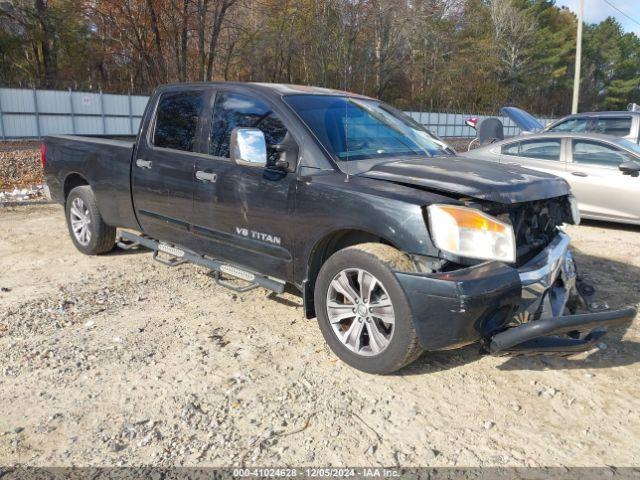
[{"x": 273, "y": 89}]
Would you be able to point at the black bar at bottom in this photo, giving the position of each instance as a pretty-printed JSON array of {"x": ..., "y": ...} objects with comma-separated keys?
[{"x": 558, "y": 325}]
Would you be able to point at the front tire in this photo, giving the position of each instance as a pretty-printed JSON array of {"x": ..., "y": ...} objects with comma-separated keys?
[
  {"x": 363, "y": 313},
  {"x": 88, "y": 231}
]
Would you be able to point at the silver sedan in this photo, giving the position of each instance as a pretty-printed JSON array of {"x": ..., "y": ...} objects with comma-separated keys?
[{"x": 603, "y": 171}]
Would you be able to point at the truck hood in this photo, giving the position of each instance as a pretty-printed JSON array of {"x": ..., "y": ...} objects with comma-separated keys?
[
  {"x": 471, "y": 178},
  {"x": 524, "y": 120}
]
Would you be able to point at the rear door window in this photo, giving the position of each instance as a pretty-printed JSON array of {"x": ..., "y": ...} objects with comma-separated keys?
[
  {"x": 596, "y": 153},
  {"x": 578, "y": 124},
  {"x": 547, "y": 149},
  {"x": 177, "y": 119},
  {"x": 616, "y": 126}
]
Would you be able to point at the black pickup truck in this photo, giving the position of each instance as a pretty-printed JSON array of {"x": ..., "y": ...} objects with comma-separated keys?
[{"x": 394, "y": 242}]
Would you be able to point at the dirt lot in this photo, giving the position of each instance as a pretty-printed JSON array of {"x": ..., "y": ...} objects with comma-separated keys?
[{"x": 119, "y": 360}]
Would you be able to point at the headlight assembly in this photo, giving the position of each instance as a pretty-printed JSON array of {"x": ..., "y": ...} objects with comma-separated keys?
[
  {"x": 467, "y": 232},
  {"x": 575, "y": 211}
]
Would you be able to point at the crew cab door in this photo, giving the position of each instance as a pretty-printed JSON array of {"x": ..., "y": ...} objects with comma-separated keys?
[
  {"x": 601, "y": 189},
  {"x": 163, "y": 167},
  {"x": 241, "y": 213}
]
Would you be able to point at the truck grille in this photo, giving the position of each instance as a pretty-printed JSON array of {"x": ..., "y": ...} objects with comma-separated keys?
[{"x": 535, "y": 225}]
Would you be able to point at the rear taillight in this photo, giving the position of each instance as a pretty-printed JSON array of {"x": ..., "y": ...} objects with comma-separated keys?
[{"x": 43, "y": 155}]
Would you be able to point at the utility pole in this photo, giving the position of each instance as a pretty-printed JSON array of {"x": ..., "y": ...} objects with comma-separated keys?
[{"x": 576, "y": 76}]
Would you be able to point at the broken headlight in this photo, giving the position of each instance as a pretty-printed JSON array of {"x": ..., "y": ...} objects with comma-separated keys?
[
  {"x": 467, "y": 232},
  {"x": 575, "y": 211}
]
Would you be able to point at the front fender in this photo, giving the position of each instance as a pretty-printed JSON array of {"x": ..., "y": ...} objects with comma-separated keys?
[{"x": 328, "y": 203}]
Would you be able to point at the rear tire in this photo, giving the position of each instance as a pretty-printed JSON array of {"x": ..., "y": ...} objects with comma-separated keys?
[
  {"x": 88, "y": 231},
  {"x": 375, "y": 332}
]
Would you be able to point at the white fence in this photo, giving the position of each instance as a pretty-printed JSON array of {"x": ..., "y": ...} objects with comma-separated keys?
[
  {"x": 28, "y": 113},
  {"x": 447, "y": 125},
  {"x": 34, "y": 113}
]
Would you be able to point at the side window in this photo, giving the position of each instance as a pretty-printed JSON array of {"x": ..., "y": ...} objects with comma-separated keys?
[
  {"x": 596, "y": 153},
  {"x": 571, "y": 125},
  {"x": 510, "y": 149},
  {"x": 616, "y": 126},
  {"x": 541, "y": 149},
  {"x": 233, "y": 110},
  {"x": 177, "y": 119}
]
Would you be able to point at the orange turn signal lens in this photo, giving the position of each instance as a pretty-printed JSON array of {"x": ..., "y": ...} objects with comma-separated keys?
[{"x": 467, "y": 232}]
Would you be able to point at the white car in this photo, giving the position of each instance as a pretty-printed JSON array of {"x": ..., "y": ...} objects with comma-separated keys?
[{"x": 603, "y": 170}]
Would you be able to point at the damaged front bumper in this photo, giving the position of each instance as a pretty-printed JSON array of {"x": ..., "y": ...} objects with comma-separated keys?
[
  {"x": 526, "y": 310},
  {"x": 566, "y": 334},
  {"x": 550, "y": 287}
]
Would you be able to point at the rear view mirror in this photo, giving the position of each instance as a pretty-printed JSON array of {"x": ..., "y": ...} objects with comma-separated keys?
[
  {"x": 248, "y": 147},
  {"x": 630, "y": 167}
]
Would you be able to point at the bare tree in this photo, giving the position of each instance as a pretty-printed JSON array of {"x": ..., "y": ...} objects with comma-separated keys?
[
  {"x": 211, "y": 17},
  {"x": 36, "y": 21},
  {"x": 389, "y": 26},
  {"x": 515, "y": 32},
  {"x": 415, "y": 53}
]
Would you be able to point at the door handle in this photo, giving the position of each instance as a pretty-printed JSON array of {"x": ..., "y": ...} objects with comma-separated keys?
[
  {"x": 579, "y": 174},
  {"x": 206, "y": 176},
  {"x": 143, "y": 163}
]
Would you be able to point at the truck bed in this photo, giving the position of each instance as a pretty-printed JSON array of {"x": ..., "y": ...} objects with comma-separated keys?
[{"x": 104, "y": 163}]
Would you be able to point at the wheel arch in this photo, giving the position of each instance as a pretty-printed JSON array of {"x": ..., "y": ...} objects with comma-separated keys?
[
  {"x": 325, "y": 247},
  {"x": 71, "y": 181}
]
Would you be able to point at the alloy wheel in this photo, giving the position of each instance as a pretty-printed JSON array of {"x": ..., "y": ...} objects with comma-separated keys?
[
  {"x": 360, "y": 311},
  {"x": 80, "y": 221}
]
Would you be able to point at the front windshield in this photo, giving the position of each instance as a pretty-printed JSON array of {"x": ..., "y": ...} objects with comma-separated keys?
[{"x": 358, "y": 129}]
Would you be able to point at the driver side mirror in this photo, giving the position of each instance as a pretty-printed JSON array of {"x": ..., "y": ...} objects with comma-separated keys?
[
  {"x": 630, "y": 167},
  {"x": 248, "y": 147}
]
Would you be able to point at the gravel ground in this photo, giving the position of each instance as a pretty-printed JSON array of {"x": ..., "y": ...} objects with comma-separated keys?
[
  {"x": 459, "y": 144},
  {"x": 117, "y": 360}
]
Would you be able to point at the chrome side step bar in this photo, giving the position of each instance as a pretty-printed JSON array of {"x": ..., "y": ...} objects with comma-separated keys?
[
  {"x": 176, "y": 256},
  {"x": 179, "y": 255}
]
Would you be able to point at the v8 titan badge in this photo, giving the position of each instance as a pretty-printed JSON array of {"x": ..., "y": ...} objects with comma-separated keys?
[{"x": 263, "y": 237}]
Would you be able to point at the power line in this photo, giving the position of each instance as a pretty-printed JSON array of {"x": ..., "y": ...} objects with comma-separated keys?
[{"x": 623, "y": 13}]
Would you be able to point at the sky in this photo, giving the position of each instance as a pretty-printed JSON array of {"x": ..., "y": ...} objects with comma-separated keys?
[{"x": 597, "y": 10}]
